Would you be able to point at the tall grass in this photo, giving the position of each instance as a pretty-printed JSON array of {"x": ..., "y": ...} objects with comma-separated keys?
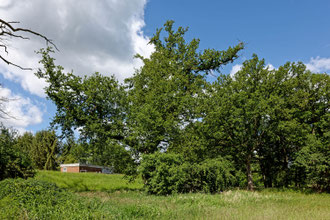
[
  {"x": 227, "y": 205},
  {"x": 35, "y": 199},
  {"x": 99, "y": 196}
]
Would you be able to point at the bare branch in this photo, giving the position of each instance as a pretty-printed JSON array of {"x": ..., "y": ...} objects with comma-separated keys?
[
  {"x": 8, "y": 24},
  {"x": 13, "y": 35},
  {"x": 7, "y": 30},
  {"x": 5, "y": 48},
  {"x": 13, "y": 64},
  {"x": 4, "y": 114}
]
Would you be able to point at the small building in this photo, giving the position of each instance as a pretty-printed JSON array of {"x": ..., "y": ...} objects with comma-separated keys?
[{"x": 80, "y": 168}]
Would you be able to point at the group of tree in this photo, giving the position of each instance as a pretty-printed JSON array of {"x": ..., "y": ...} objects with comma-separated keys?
[
  {"x": 184, "y": 132},
  {"x": 21, "y": 155}
]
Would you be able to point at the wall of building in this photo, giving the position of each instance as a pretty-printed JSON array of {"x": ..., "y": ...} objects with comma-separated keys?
[
  {"x": 71, "y": 169},
  {"x": 90, "y": 169},
  {"x": 82, "y": 168}
]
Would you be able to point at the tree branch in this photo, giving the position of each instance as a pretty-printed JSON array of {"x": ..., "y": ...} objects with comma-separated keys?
[
  {"x": 13, "y": 64},
  {"x": 7, "y": 30},
  {"x": 8, "y": 24}
]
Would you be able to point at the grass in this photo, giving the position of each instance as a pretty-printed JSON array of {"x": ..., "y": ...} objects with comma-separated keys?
[
  {"x": 80, "y": 182},
  {"x": 111, "y": 197},
  {"x": 235, "y": 204}
]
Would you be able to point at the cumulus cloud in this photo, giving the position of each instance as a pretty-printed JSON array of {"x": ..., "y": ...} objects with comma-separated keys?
[
  {"x": 235, "y": 69},
  {"x": 93, "y": 36},
  {"x": 270, "y": 66},
  {"x": 318, "y": 64},
  {"x": 20, "y": 112}
]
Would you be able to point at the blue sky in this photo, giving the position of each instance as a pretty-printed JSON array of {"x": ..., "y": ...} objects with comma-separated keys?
[
  {"x": 104, "y": 35},
  {"x": 279, "y": 31}
]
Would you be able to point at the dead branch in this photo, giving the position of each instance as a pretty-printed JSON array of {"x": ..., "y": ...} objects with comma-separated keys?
[
  {"x": 3, "y": 113},
  {"x": 7, "y": 30}
]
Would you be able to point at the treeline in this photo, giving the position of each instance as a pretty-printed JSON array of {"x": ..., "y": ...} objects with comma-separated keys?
[
  {"x": 185, "y": 131},
  {"x": 21, "y": 155}
]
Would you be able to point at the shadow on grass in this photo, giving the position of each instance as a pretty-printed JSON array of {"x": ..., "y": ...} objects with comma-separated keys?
[
  {"x": 122, "y": 189},
  {"x": 79, "y": 186},
  {"x": 76, "y": 186}
]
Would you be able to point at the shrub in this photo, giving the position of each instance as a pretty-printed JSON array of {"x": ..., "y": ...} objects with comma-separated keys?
[
  {"x": 160, "y": 172},
  {"x": 165, "y": 173}
]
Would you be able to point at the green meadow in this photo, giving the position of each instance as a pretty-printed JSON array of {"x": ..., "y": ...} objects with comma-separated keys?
[
  {"x": 55, "y": 195},
  {"x": 80, "y": 182}
]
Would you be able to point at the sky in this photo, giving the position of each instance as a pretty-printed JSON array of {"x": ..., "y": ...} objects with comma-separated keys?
[{"x": 104, "y": 35}]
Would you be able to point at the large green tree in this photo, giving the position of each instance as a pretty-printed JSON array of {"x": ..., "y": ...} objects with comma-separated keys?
[
  {"x": 165, "y": 94},
  {"x": 238, "y": 114},
  {"x": 93, "y": 106}
]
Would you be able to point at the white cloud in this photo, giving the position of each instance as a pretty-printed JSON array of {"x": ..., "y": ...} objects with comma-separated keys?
[
  {"x": 318, "y": 64},
  {"x": 93, "y": 36},
  {"x": 235, "y": 69},
  {"x": 21, "y": 111},
  {"x": 270, "y": 66}
]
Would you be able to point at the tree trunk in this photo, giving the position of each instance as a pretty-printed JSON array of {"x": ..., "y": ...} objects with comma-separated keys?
[
  {"x": 269, "y": 182},
  {"x": 266, "y": 174},
  {"x": 249, "y": 173}
]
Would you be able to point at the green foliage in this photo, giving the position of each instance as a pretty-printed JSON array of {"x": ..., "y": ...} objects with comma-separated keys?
[
  {"x": 46, "y": 148},
  {"x": 117, "y": 157},
  {"x": 165, "y": 173},
  {"x": 164, "y": 95},
  {"x": 13, "y": 162},
  {"x": 43, "y": 148},
  {"x": 75, "y": 151},
  {"x": 313, "y": 160},
  {"x": 263, "y": 117},
  {"x": 160, "y": 172},
  {"x": 95, "y": 106}
]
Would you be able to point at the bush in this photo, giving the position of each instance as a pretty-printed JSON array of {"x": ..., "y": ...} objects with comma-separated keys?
[
  {"x": 160, "y": 172},
  {"x": 165, "y": 173}
]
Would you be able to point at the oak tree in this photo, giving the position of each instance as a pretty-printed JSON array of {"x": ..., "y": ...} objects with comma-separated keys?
[{"x": 164, "y": 95}]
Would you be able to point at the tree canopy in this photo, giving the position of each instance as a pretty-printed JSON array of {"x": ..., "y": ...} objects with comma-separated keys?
[
  {"x": 94, "y": 107},
  {"x": 165, "y": 94}
]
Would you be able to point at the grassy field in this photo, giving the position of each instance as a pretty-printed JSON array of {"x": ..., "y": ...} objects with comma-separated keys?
[
  {"x": 80, "y": 182},
  {"x": 227, "y": 205},
  {"x": 111, "y": 197}
]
